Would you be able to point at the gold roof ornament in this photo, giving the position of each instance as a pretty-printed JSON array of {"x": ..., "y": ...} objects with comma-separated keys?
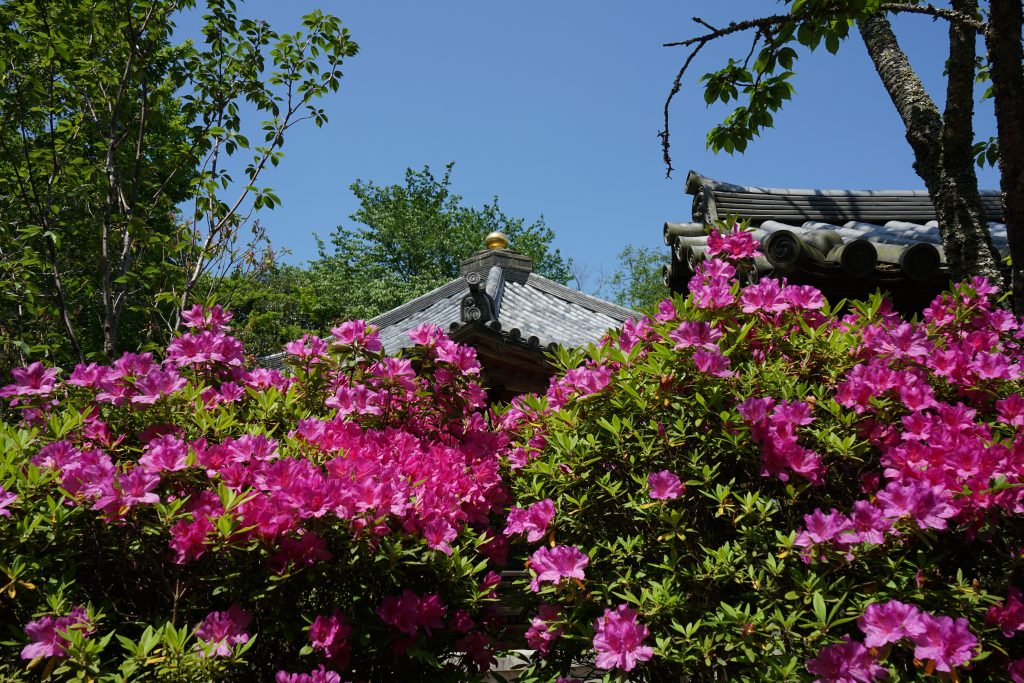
[{"x": 496, "y": 240}]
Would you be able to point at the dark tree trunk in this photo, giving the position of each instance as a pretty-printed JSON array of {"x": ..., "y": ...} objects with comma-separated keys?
[
  {"x": 1005, "y": 53},
  {"x": 941, "y": 146}
]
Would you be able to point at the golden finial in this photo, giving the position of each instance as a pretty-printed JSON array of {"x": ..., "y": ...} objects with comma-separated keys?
[{"x": 496, "y": 240}]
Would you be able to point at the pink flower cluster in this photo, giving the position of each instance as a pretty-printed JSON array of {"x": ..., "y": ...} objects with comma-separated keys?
[
  {"x": 1009, "y": 614},
  {"x": 410, "y": 613},
  {"x": 557, "y": 563},
  {"x": 543, "y": 630},
  {"x": 736, "y": 244},
  {"x": 221, "y": 631},
  {"x": 583, "y": 381},
  {"x": 774, "y": 426},
  {"x": 945, "y": 641},
  {"x": 329, "y": 634},
  {"x": 618, "y": 640},
  {"x": 427, "y": 465},
  {"x": 938, "y": 458},
  {"x": 664, "y": 485},
  {"x": 389, "y": 447},
  {"x": 318, "y": 675},
  {"x": 47, "y": 633},
  {"x": 6, "y": 498},
  {"x": 533, "y": 521}
]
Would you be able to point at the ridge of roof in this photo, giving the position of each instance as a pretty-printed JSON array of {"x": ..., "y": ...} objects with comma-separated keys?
[
  {"x": 695, "y": 181},
  {"x": 421, "y": 302},
  {"x": 577, "y": 297}
]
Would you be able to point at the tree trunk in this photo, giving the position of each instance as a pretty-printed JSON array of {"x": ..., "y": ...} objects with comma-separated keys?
[
  {"x": 1005, "y": 54},
  {"x": 941, "y": 148}
]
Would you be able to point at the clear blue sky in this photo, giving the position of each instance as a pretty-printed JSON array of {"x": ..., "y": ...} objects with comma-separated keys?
[{"x": 555, "y": 108}]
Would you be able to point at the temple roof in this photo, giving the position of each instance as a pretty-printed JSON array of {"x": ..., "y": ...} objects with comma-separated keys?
[
  {"x": 510, "y": 314},
  {"x": 507, "y": 298},
  {"x": 846, "y": 242}
]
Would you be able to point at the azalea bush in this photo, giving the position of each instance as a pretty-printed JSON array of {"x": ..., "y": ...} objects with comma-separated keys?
[
  {"x": 750, "y": 485},
  {"x": 187, "y": 519}
]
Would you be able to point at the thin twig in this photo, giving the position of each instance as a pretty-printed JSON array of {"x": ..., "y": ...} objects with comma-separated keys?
[{"x": 676, "y": 85}]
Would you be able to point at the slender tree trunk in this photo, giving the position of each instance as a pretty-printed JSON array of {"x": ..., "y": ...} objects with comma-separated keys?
[
  {"x": 1005, "y": 54},
  {"x": 942, "y": 148}
]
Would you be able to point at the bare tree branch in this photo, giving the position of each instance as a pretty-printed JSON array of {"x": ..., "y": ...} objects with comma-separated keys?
[{"x": 676, "y": 85}]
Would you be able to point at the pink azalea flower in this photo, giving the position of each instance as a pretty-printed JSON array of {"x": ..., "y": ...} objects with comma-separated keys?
[
  {"x": 318, "y": 675},
  {"x": 6, "y": 498},
  {"x": 928, "y": 505},
  {"x": 710, "y": 294},
  {"x": 947, "y": 642},
  {"x": 533, "y": 520},
  {"x": 1016, "y": 671},
  {"x": 330, "y": 634},
  {"x": 619, "y": 640},
  {"x": 45, "y": 633},
  {"x": 696, "y": 333},
  {"x": 664, "y": 485},
  {"x": 982, "y": 287},
  {"x": 358, "y": 333},
  {"x": 137, "y": 487},
  {"x": 165, "y": 453},
  {"x": 461, "y": 356},
  {"x": 710, "y": 285},
  {"x": 1009, "y": 614},
  {"x": 805, "y": 297},
  {"x": 888, "y": 622},
  {"x": 439, "y": 533},
  {"x": 157, "y": 383},
  {"x": 222, "y": 630},
  {"x": 738, "y": 244},
  {"x": 214, "y": 318},
  {"x": 308, "y": 346},
  {"x": 542, "y": 631},
  {"x": 480, "y": 648},
  {"x": 557, "y": 563},
  {"x": 713, "y": 363},
  {"x": 766, "y": 296},
  {"x": 846, "y": 662},
  {"x": 868, "y": 523},
  {"x": 1011, "y": 410},
  {"x": 409, "y": 612},
  {"x": 33, "y": 380},
  {"x": 188, "y": 539},
  {"x": 666, "y": 311},
  {"x": 426, "y": 335},
  {"x": 995, "y": 366},
  {"x": 91, "y": 375},
  {"x": 820, "y": 527}
]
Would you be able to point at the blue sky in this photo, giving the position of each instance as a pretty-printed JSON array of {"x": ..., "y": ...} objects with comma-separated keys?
[{"x": 555, "y": 108}]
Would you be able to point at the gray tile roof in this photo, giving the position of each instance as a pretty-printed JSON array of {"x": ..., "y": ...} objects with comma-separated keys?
[
  {"x": 714, "y": 199},
  {"x": 538, "y": 307},
  {"x": 530, "y": 309},
  {"x": 892, "y": 233}
]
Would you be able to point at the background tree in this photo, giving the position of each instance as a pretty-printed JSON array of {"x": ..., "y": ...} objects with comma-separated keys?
[
  {"x": 411, "y": 240},
  {"x": 126, "y": 175},
  {"x": 637, "y": 282},
  {"x": 942, "y": 141}
]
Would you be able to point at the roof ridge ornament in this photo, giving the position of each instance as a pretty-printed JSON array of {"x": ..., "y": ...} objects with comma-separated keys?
[
  {"x": 477, "y": 305},
  {"x": 496, "y": 240}
]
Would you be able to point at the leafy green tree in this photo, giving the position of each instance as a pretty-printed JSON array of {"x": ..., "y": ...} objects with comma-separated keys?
[
  {"x": 271, "y": 307},
  {"x": 942, "y": 140},
  {"x": 637, "y": 282},
  {"x": 411, "y": 239},
  {"x": 126, "y": 175}
]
